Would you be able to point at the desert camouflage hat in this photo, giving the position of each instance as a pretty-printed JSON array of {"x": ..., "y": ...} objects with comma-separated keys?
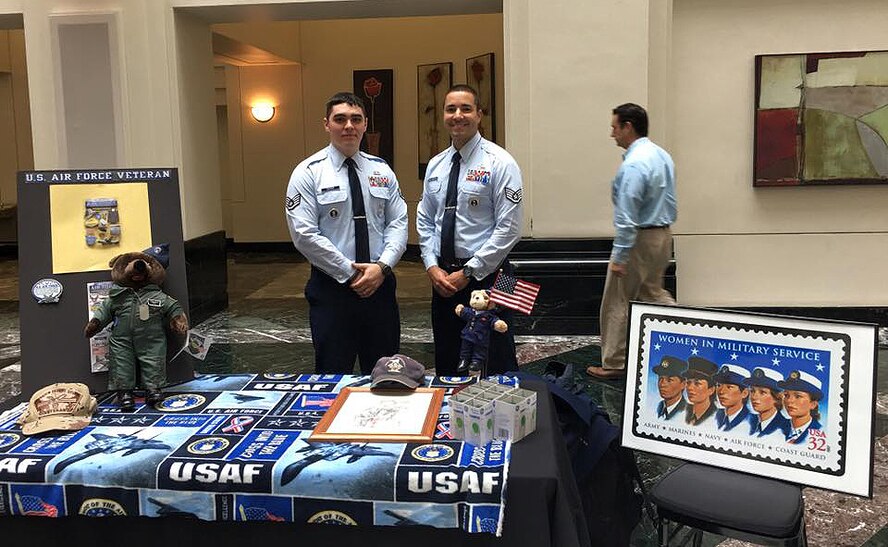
[{"x": 66, "y": 407}]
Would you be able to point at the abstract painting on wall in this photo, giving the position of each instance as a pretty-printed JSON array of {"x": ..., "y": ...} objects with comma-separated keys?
[{"x": 821, "y": 118}]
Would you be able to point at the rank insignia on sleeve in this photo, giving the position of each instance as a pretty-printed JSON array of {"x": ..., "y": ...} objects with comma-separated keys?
[
  {"x": 513, "y": 195},
  {"x": 294, "y": 201}
]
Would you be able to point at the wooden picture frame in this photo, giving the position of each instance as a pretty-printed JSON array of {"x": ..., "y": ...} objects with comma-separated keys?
[
  {"x": 361, "y": 414},
  {"x": 432, "y": 83},
  {"x": 481, "y": 75}
]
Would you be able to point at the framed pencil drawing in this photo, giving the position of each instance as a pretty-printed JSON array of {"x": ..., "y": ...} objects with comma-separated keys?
[
  {"x": 783, "y": 397},
  {"x": 432, "y": 83},
  {"x": 362, "y": 414}
]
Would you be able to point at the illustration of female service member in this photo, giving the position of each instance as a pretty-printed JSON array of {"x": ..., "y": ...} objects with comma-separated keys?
[
  {"x": 801, "y": 396},
  {"x": 766, "y": 399}
]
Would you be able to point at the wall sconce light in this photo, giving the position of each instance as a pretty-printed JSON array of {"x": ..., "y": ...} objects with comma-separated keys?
[{"x": 262, "y": 112}]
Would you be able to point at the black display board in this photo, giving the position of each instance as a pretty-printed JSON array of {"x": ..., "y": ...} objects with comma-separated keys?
[{"x": 53, "y": 346}]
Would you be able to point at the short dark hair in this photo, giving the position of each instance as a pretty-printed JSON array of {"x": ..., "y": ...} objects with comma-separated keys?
[
  {"x": 345, "y": 97},
  {"x": 467, "y": 89},
  {"x": 634, "y": 114}
]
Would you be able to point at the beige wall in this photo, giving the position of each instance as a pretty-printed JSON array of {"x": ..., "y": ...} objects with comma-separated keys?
[
  {"x": 328, "y": 51},
  {"x": 15, "y": 125},
  {"x": 739, "y": 245},
  {"x": 262, "y": 155},
  {"x": 569, "y": 62},
  {"x": 165, "y": 117}
]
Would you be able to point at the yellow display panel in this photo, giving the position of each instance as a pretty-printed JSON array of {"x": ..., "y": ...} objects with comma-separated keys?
[{"x": 67, "y": 209}]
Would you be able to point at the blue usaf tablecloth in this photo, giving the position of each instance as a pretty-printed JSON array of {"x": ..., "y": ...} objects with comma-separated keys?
[{"x": 233, "y": 447}]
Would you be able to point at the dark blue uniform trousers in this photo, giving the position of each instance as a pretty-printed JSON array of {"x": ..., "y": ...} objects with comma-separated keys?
[
  {"x": 447, "y": 328},
  {"x": 345, "y": 326}
]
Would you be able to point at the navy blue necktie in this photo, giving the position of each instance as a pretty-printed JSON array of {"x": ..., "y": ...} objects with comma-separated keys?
[
  {"x": 362, "y": 237},
  {"x": 448, "y": 225}
]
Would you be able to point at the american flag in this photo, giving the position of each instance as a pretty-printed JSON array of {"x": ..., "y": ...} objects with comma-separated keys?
[
  {"x": 514, "y": 293},
  {"x": 258, "y": 513},
  {"x": 36, "y": 507}
]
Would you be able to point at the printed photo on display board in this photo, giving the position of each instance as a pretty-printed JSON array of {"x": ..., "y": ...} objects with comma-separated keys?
[
  {"x": 93, "y": 223},
  {"x": 782, "y": 397}
]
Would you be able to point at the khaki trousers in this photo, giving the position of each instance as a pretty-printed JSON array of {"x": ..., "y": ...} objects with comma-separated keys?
[{"x": 643, "y": 282}]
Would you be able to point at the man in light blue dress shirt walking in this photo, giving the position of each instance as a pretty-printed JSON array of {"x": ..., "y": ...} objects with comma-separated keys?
[{"x": 643, "y": 194}]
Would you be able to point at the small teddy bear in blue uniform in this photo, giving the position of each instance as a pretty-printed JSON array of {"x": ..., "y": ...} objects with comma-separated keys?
[{"x": 479, "y": 319}]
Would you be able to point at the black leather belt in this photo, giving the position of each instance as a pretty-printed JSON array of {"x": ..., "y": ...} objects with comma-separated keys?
[
  {"x": 652, "y": 227},
  {"x": 449, "y": 268}
]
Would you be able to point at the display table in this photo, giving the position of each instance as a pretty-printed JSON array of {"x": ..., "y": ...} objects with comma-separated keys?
[{"x": 541, "y": 508}]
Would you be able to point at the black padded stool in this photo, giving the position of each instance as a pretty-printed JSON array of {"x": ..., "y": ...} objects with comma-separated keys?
[{"x": 728, "y": 503}]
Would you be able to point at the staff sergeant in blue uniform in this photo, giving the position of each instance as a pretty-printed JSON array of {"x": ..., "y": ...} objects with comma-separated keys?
[
  {"x": 732, "y": 394},
  {"x": 643, "y": 193},
  {"x": 346, "y": 215},
  {"x": 468, "y": 219},
  {"x": 764, "y": 394}
]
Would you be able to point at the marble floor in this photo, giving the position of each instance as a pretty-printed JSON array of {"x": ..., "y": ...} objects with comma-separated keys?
[{"x": 265, "y": 328}]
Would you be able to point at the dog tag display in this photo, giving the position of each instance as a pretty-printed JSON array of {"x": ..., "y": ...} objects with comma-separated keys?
[{"x": 143, "y": 312}]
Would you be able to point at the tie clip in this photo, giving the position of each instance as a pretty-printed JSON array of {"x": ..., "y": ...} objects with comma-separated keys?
[
  {"x": 359, "y": 217},
  {"x": 450, "y": 207}
]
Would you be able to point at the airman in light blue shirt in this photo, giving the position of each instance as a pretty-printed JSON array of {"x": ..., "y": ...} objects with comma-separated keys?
[
  {"x": 488, "y": 210},
  {"x": 322, "y": 226}
]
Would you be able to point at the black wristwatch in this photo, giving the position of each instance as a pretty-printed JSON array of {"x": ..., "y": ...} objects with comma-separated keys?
[
  {"x": 386, "y": 269},
  {"x": 468, "y": 271}
]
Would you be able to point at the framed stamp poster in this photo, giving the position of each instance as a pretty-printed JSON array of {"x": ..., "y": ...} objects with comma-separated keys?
[
  {"x": 784, "y": 397},
  {"x": 362, "y": 414}
]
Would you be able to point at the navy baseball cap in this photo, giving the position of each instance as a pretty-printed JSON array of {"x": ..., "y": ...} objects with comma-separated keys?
[
  {"x": 764, "y": 377},
  {"x": 670, "y": 366},
  {"x": 699, "y": 367},
  {"x": 160, "y": 253},
  {"x": 397, "y": 372},
  {"x": 731, "y": 374},
  {"x": 802, "y": 381}
]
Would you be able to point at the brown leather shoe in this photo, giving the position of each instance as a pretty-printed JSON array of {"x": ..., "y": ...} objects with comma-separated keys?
[{"x": 606, "y": 373}]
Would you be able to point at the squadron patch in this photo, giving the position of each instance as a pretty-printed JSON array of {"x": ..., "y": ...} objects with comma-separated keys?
[
  {"x": 278, "y": 375},
  {"x": 432, "y": 452},
  {"x": 332, "y": 517},
  {"x": 208, "y": 446},
  {"x": 293, "y": 201},
  {"x": 180, "y": 402},
  {"x": 513, "y": 195},
  {"x": 8, "y": 439},
  {"x": 100, "y": 507}
]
